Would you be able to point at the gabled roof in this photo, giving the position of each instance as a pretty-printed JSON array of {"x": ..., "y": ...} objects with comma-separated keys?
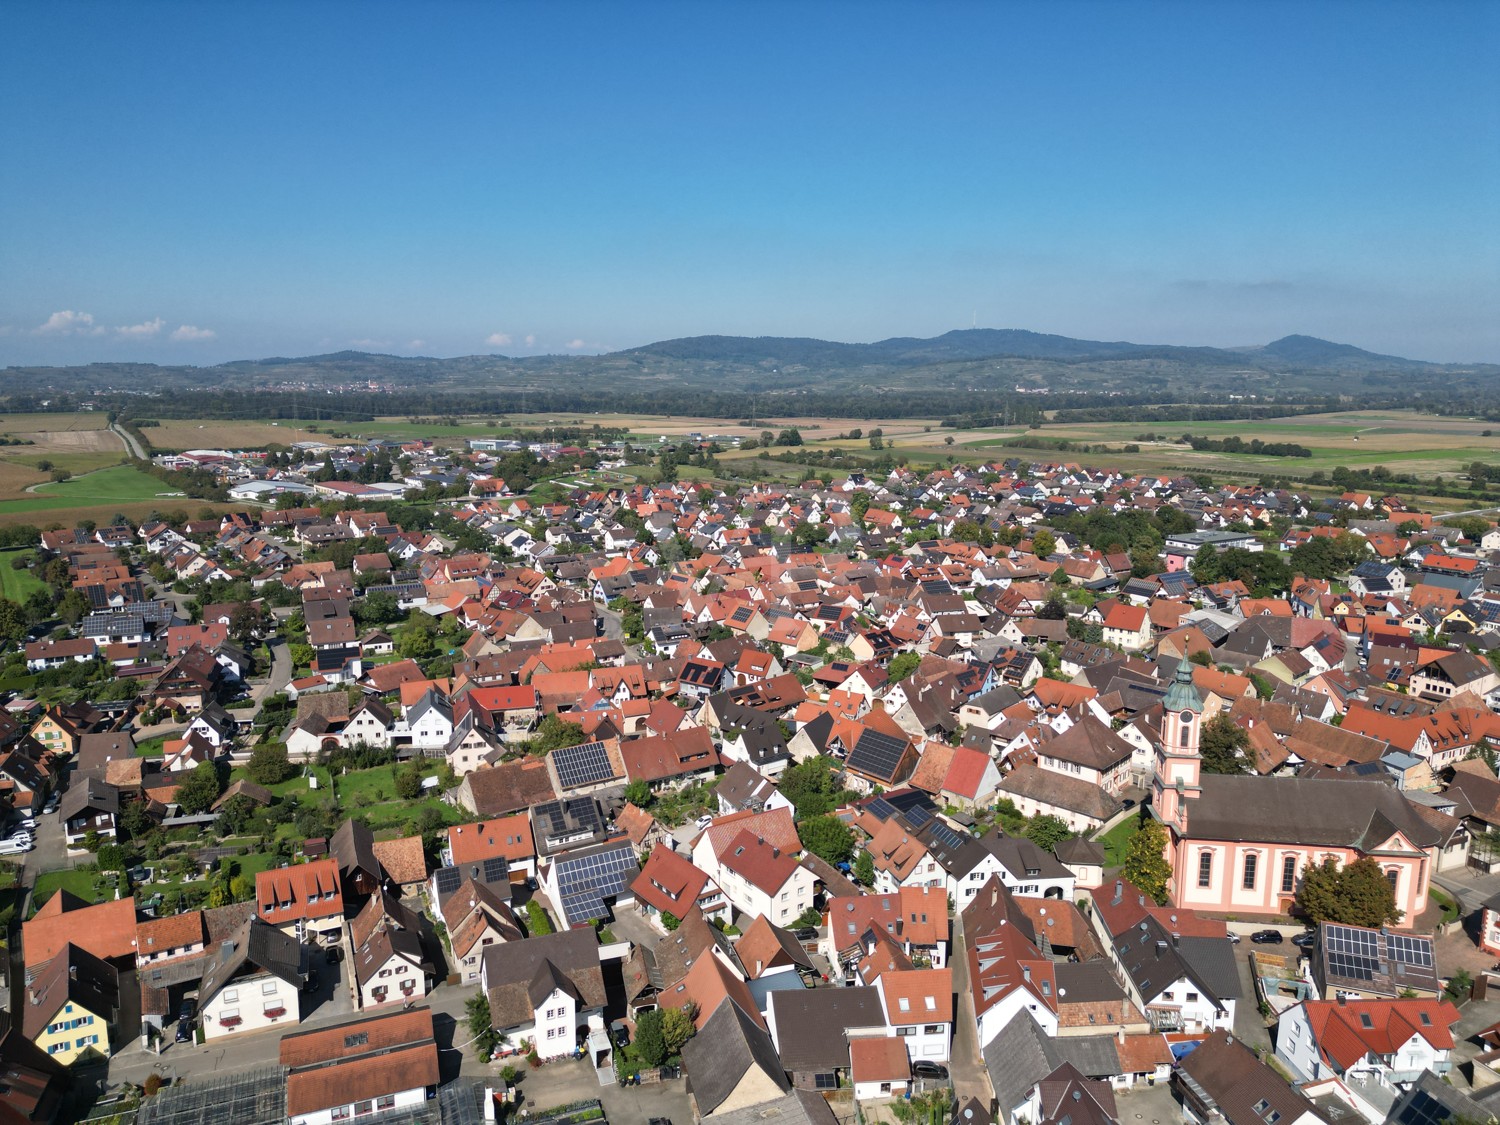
[{"x": 728, "y": 1045}]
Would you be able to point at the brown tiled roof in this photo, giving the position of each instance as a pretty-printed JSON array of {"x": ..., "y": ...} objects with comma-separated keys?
[
  {"x": 106, "y": 930},
  {"x": 508, "y": 836},
  {"x": 156, "y": 935},
  {"x": 351, "y": 1062},
  {"x": 403, "y": 859}
]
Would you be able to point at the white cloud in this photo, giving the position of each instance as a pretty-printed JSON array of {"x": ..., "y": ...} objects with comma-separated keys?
[
  {"x": 146, "y": 328},
  {"x": 530, "y": 341},
  {"x": 70, "y": 323},
  {"x": 498, "y": 340},
  {"x": 415, "y": 344},
  {"x": 369, "y": 343},
  {"x": 189, "y": 332},
  {"x": 574, "y": 345}
]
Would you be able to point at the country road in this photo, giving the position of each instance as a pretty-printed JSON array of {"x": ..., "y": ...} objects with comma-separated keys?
[{"x": 132, "y": 445}]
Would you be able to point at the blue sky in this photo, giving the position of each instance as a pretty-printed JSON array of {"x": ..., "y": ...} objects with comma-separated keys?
[{"x": 199, "y": 182}]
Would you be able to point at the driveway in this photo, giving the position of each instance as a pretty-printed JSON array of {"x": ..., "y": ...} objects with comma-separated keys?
[
  {"x": 1249, "y": 1028},
  {"x": 1470, "y": 887},
  {"x": 280, "y": 675},
  {"x": 1147, "y": 1105}
]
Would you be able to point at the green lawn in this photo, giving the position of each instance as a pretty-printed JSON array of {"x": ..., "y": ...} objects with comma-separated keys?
[
  {"x": 1117, "y": 840},
  {"x": 18, "y": 585},
  {"x": 77, "y": 881},
  {"x": 120, "y": 484}
]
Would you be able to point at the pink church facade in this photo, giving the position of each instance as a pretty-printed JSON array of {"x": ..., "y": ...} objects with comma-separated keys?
[{"x": 1240, "y": 845}]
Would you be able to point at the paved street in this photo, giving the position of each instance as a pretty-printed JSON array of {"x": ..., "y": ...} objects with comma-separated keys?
[{"x": 1470, "y": 887}]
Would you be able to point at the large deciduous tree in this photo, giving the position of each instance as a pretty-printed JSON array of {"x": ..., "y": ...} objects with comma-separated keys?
[{"x": 1146, "y": 861}]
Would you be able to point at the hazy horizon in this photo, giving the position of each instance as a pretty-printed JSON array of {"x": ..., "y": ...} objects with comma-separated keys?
[{"x": 198, "y": 183}]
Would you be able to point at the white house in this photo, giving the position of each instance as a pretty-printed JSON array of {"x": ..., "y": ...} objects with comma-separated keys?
[
  {"x": 429, "y": 722},
  {"x": 919, "y": 1009},
  {"x": 1387, "y": 1043},
  {"x": 546, "y": 990},
  {"x": 253, "y": 983},
  {"x": 757, "y": 877}
]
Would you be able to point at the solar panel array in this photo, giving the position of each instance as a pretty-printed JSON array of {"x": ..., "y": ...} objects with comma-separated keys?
[
  {"x": 877, "y": 754},
  {"x": 881, "y": 808},
  {"x": 1353, "y": 954},
  {"x": 1407, "y": 950},
  {"x": 945, "y": 835},
  {"x": 585, "y": 881},
  {"x": 577, "y": 814},
  {"x": 588, "y": 764}
]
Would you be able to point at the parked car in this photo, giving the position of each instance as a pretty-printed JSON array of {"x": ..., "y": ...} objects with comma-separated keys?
[
  {"x": 15, "y": 847},
  {"x": 806, "y": 933},
  {"x": 620, "y": 1033},
  {"x": 930, "y": 1070},
  {"x": 184, "y": 1030},
  {"x": 1234, "y": 938},
  {"x": 311, "y": 984},
  {"x": 1267, "y": 937},
  {"x": 1305, "y": 940}
]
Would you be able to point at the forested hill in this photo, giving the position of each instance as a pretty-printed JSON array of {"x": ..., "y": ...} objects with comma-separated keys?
[{"x": 960, "y": 365}]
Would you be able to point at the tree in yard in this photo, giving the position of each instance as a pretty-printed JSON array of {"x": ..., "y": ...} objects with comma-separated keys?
[
  {"x": 301, "y": 654},
  {"x": 408, "y": 781},
  {"x": 828, "y": 838},
  {"x": 811, "y": 786},
  {"x": 1356, "y": 895},
  {"x": 1046, "y": 832},
  {"x": 538, "y": 924},
  {"x": 1043, "y": 544},
  {"x": 111, "y": 857},
  {"x": 650, "y": 1043},
  {"x": 638, "y": 793},
  {"x": 669, "y": 921},
  {"x": 1053, "y": 609},
  {"x": 1146, "y": 861},
  {"x": 553, "y": 733},
  {"x": 269, "y": 764},
  {"x": 903, "y": 664},
  {"x": 481, "y": 1026},
  {"x": 1223, "y": 745},
  {"x": 864, "y": 869},
  {"x": 676, "y": 1029},
  {"x": 199, "y": 789}
]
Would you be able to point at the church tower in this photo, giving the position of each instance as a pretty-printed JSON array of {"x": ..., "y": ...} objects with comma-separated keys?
[{"x": 1177, "y": 762}]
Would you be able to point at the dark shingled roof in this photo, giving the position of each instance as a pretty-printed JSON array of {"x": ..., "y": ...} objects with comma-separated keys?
[
  {"x": 812, "y": 1025},
  {"x": 719, "y": 1056},
  {"x": 1295, "y": 810}
]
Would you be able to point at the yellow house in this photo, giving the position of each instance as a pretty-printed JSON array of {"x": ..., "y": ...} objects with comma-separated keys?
[
  {"x": 61, "y": 727},
  {"x": 71, "y": 1005}
]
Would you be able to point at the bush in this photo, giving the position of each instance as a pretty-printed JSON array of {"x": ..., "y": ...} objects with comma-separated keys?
[{"x": 269, "y": 764}]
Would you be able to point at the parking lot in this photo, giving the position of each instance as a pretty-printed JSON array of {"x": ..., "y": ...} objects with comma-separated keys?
[
  {"x": 1148, "y": 1105},
  {"x": 570, "y": 1080}
]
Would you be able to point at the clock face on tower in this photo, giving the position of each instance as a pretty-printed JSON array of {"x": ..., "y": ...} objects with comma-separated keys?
[{"x": 1186, "y": 717}]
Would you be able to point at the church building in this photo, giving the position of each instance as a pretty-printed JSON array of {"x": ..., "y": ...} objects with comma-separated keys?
[{"x": 1239, "y": 844}]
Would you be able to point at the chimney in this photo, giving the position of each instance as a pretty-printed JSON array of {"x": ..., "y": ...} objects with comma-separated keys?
[
  {"x": 1161, "y": 947},
  {"x": 1343, "y": 1000},
  {"x": 1119, "y": 892}
]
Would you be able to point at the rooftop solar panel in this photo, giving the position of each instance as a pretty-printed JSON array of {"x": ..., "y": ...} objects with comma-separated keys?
[
  {"x": 587, "y": 764},
  {"x": 878, "y": 755}
]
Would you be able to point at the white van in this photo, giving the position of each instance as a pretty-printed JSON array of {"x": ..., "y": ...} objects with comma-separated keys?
[{"x": 15, "y": 847}]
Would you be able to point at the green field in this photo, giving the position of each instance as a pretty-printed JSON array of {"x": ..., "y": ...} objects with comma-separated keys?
[
  {"x": 1117, "y": 840},
  {"x": 77, "y": 880},
  {"x": 120, "y": 484},
  {"x": 18, "y": 585}
]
